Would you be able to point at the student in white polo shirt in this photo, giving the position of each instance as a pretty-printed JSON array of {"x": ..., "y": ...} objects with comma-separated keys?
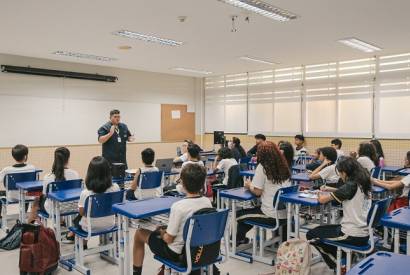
[
  {"x": 337, "y": 144},
  {"x": 354, "y": 195},
  {"x": 367, "y": 156},
  {"x": 327, "y": 169},
  {"x": 402, "y": 185}
]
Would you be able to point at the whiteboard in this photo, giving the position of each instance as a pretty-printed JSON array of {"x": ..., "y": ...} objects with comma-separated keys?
[{"x": 45, "y": 121}]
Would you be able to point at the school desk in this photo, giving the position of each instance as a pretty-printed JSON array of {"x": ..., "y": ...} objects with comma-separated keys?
[
  {"x": 399, "y": 219},
  {"x": 389, "y": 170},
  {"x": 234, "y": 197},
  {"x": 382, "y": 263},
  {"x": 140, "y": 209},
  {"x": 23, "y": 187}
]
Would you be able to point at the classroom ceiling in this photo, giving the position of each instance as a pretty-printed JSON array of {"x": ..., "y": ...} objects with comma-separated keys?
[{"x": 39, "y": 28}]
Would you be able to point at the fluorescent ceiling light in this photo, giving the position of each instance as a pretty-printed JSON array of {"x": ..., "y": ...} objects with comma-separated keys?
[
  {"x": 147, "y": 38},
  {"x": 254, "y": 59},
  {"x": 189, "y": 70},
  {"x": 263, "y": 9},
  {"x": 85, "y": 56},
  {"x": 359, "y": 45}
]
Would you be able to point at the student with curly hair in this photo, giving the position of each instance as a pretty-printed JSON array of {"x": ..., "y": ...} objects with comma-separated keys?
[{"x": 271, "y": 174}]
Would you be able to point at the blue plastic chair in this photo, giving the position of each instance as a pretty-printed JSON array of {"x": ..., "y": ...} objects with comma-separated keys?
[
  {"x": 58, "y": 186},
  {"x": 378, "y": 209},
  {"x": 244, "y": 163},
  {"x": 150, "y": 181},
  {"x": 260, "y": 228},
  {"x": 201, "y": 230},
  {"x": 376, "y": 172},
  {"x": 10, "y": 181},
  {"x": 97, "y": 206}
]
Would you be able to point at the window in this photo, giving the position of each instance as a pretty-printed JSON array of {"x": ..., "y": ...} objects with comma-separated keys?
[{"x": 393, "y": 97}]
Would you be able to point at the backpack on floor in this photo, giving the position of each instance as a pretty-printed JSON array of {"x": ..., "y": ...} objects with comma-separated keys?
[
  {"x": 13, "y": 238},
  {"x": 293, "y": 258},
  {"x": 39, "y": 250}
]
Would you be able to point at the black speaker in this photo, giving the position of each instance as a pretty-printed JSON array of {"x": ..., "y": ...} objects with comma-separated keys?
[{"x": 219, "y": 137}]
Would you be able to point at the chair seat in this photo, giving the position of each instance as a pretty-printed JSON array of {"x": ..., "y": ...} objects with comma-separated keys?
[
  {"x": 348, "y": 246},
  {"x": 266, "y": 226},
  {"x": 178, "y": 266},
  {"x": 43, "y": 214},
  {"x": 84, "y": 234},
  {"x": 3, "y": 201}
]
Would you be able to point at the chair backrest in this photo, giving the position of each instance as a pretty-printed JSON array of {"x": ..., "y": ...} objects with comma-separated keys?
[
  {"x": 235, "y": 179},
  {"x": 100, "y": 205},
  {"x": 150, "y": 180},
  {"x": 204, "y": 229},
  {"x": 244, "y": 163},
  {"x": 12, "y": 178},
  {"x": 377, "y": 211},
  {"x": 375, "y": 172},
  {"x": 64, "y": 185},
  {"x": 277, "y": 205}
]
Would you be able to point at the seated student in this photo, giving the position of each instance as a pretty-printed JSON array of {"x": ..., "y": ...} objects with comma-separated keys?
[
  {"x": 258, "y": 139},
  {"x": 287, "y": 150},
  {"x": 327, "y": 169},
  {"x": 20, "y": 155},
  {"x": 337, "y": 144},
  {"x": 379, "y": 152},
  {"x": 407, "y": 160},
  {"x": 97, "y": 181},
  {"x": 224, "y": 161},
  {"x": 168, "y": 243},
  {"x": 193, "y": 151},
  {"x": 60, "y": 171},
  {"x": 300, "y": 150},
  {"x": 184, "y": 153},
  {"x": 367, "y": 156},
  {"x": 271, "y": 174},
  {"x": 354, "y": 195},
  {"x": 147, "y": 157},
  {"x": 400, "y": 185},
  {"x": 237, "y": 149},
  {"x": 315, "y": 161}
]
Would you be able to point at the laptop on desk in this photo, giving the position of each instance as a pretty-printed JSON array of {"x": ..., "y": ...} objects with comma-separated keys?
[{"x": 164, "y": 165}]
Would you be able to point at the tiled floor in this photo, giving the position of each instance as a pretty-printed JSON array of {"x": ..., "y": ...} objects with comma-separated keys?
[{"x": 9, "y": 265}]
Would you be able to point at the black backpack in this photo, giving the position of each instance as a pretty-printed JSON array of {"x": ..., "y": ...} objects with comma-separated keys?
[
  {"x": 13, "y": 238},
  {"x": 235, "y": 179}
]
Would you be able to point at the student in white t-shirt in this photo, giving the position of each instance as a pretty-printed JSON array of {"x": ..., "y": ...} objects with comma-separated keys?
[
  {"x": 97, "y": 181},
  {"x": 168, "y": 242},
  {"x": 367, "y": 156},
  {"x": 59, "y": 172},
  {"x": 337, "y": 144},
  {"x": 327, "y": 169},
  {"x": 271, "y": 174},
  {"x": 224, "y": 161},
  {"x": 20, "y": 155},
  {"x": 300, "y": 150},
  {"x": 354, "y": 195},
  {"x": 147, "y": 157},
  {"x": 184, "y": 152},
  {"x": 193, "y": 151}
]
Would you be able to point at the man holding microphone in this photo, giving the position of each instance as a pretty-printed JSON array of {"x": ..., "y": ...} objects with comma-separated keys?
[{"x": 113, "y": 136}]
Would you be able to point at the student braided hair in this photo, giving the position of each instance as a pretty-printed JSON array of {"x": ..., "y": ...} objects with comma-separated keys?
[
  {"x": 273, "y": 162},
  {"x": 61, "y": 157}
]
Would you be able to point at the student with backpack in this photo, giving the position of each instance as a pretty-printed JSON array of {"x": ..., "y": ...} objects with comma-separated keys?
[
  {"x": 271, "y": 174},
  {"x": 60, "y": 171},
  {"x": 355, "y": 197},
  {"x": 168, "y": 242}
]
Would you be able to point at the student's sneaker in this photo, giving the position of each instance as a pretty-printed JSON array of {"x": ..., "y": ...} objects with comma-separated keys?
[{"x": 68, "y": 239}]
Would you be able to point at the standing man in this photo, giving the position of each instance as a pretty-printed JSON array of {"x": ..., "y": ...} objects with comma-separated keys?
[{"x": 113, "y": 136}]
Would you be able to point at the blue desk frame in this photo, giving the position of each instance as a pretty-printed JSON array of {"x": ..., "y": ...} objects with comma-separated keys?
[
  {"x": 382, "y": 263},
  {"x": 399, "y": 219},
  {"x": 24, "y": 187}
]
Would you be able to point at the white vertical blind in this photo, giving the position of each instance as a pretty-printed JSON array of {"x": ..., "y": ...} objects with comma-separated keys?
[
  {"x": 393, "y": 97},
  {"x": 354, "y": 98}
]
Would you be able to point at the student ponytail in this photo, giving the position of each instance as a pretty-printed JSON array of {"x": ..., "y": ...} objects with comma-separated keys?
[{"x": 61, "y": 157}]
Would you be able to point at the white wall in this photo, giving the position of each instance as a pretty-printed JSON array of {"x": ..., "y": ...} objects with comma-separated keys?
[{"x": 132, "y": 87}]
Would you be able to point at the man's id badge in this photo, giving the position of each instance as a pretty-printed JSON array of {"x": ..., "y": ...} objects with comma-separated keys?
[{"x": 119, "y": 139}]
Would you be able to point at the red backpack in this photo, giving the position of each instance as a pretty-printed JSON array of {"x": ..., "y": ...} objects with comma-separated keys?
[{"x": 39, "y": 250}]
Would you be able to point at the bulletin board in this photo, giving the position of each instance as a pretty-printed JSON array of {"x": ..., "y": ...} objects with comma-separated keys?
[{"x": 177, "y": 123}]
